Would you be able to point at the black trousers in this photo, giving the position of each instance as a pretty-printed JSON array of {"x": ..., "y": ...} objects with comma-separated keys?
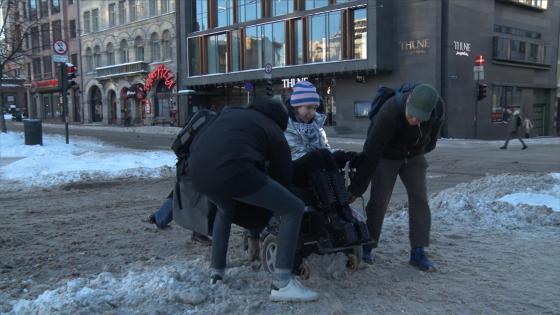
[
  {"x": 413, "y": 174},
  {"x": 313, "y": 161}
]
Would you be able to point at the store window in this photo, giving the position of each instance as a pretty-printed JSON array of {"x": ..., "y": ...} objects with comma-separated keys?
[
  {"x": 217, "y": 53},
  {"x": 504, "y": 98}
]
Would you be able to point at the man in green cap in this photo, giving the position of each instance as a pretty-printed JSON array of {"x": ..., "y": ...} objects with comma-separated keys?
[{"x": 405, "y": 128}]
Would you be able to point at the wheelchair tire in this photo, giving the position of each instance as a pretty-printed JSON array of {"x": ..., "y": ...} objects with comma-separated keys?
[{"x": 269, "y": 249}]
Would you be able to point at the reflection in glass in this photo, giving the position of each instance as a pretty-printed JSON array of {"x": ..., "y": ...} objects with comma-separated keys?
[
  {"x": 360, "y": 34},
  {"x": 235, "y": 50},
  {"x": 249, "y": 10},
  {"x": 253, "y": 49},
  {"x": 194, "y": 56},
  {"x": 298, "y": 42},
  {"x": 217, "y": 53},
  {"x": 335, "y": 36},
  {"x": 225, "y": 12},
  {"x": 282, "y": 7},
  {"x": 317, "y": 38},
  {"x": 201, "y": 15},
  {"x": 312, "y": 4}
]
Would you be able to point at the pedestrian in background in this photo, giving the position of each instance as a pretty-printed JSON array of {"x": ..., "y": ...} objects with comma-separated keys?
[{"x": 514, "y": 127}]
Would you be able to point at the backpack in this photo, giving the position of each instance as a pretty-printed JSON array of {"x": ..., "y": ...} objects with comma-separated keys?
[
  {"x": 200, "y": 120},
  {"x": 384, "y": 93}
]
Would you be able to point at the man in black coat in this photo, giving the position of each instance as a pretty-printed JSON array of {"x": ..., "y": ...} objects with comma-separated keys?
[
  {"x": 398, "y": 137},
  {"x": 231, "y": 161}
]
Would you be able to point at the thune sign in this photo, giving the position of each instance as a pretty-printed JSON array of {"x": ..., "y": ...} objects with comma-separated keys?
[
  {"x": 461, "y": 48},
  {"x": 289, "y": 83}
]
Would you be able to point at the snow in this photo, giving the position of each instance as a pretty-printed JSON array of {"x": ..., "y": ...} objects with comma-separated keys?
[
  {"x": 57, "y": 163},
  {"x": 495, "y": 202},
  {"x": 8, "y": 116}
]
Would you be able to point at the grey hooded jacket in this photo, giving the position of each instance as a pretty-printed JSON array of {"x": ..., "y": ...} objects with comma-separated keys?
[{"x": 304, "y": 138}]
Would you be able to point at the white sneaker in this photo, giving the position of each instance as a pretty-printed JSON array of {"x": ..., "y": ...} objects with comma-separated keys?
[{"x": 293, "y": 292}]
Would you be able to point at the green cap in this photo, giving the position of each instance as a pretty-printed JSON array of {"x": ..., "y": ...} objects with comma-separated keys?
[{"x": 422, "y": 101}]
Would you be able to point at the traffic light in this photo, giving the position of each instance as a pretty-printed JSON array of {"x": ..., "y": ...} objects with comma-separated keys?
[
  {"x": 71, "y": 73},
  {"x": 68, "y": 73},
  {"x": 481, "y": 91},
  {"x": 269, "y": 90}
]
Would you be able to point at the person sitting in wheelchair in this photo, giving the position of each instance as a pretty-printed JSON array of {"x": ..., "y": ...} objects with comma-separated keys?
[{"x": 317, "y": 175}]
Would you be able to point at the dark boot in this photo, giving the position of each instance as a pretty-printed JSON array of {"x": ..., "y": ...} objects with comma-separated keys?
[{"x": 419, "y": 260}]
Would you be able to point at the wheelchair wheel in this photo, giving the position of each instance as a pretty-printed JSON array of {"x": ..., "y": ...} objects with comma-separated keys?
[
  {"x": 304, "y": 271},
  {"x": 268, "y": 252},
  {"x": 354, "y": 258}
]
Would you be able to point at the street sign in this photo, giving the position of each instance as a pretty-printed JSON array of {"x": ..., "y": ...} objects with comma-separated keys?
[
  {"x": 268, "y": 68},
  {"x": 60, "y": 58},
  {"x": 248, "y": 86},
  {"x": 268, "y": 71},
  {"x": 479, "y": 61},
  {"x": 60, "y": 47},
  {"x": 479, "y": 75},
  {"x": 478, "y": 68}
]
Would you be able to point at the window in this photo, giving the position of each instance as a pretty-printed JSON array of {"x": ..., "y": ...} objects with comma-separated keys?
[
  {"x": 360, "y": 34},
  {"x": 89, "y": 60},
  {"x": 164, "y": 6},
  {"x": 166, "y": 45},
  {"x": 513, "y": 50},
  {"x": 97, "y": 57},
  {"x": 249, "y": 10},
  {"x": 217, "y": 53},
  {"x": 154, "y": 49},
  {"x": 516, "y": 31},
  {"x": 57, "y": 29},
  {"x": 361, "y": 109},
  {"x": 139, "y": 47},
  {"x": 153, "y": 8},
  {"x": 44, "y": 8},
  {"x": 95, "y": 20},
  {"x": 313, "y": 4},
  {"x": 36, "y": 68},
  {"x": 55, "y": 6},
  {"x": 122, "y": 12},
  {"x": 132, "y": 10},
  {"x": 47, "y": 67},
  {"x": 274, "y": 44},
  {"x": 45, "y": 36},
  {"x": 224, "y": 12},
  {"x": 298, "y": 42},
  {"x": 201, "y": 15},
  {"x": 325, "y": 37},
  {"x": 112, "y": 15},
  {"x": 35, "y": 43},
  {"x": 86, "y": 22},
  {"x": 235, "y": 50},
  {"x": 72, "y": 26},
  {"x": 282, "y": 7},
  {"x": 265, "y": 44},
  {"x": 124, "y": 51},
  {"x": 33, "y": 9},
  {"x": 539, "y": 4},
  {"x": 194, "y": 57},
  {"x": 110, "y": 54}
]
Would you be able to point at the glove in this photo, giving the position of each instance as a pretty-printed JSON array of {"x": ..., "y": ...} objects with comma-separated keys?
[{"x": 356, "y": 160}]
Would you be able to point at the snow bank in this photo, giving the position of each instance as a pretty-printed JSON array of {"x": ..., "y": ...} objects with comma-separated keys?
[
  {"x": 57, "y": 163},
  {"x": 507, "y": 201}
]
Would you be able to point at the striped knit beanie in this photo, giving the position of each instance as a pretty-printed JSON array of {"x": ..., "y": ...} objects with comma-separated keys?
[{"x": 304, "y": 93}]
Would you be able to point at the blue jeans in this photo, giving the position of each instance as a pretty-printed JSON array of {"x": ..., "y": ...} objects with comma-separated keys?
[{"x": 165, "y": 213}]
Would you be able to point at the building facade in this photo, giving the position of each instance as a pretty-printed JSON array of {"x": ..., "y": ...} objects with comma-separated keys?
[
  {"x": 49, "y": 21},
  {"x": 128, "y": 52},
  {"x": 231, "y": 50}
]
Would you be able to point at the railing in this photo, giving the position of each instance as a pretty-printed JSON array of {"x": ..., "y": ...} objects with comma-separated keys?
[{"x": 123, "y": 69}]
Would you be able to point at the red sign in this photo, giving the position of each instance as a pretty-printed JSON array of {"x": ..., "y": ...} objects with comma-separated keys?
[
  {"x": 45, "y": 83},
  {"x": 160, "y": 73},
  {"x": 147, "y": 106},
  {"x": 479, "y": 61}
]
